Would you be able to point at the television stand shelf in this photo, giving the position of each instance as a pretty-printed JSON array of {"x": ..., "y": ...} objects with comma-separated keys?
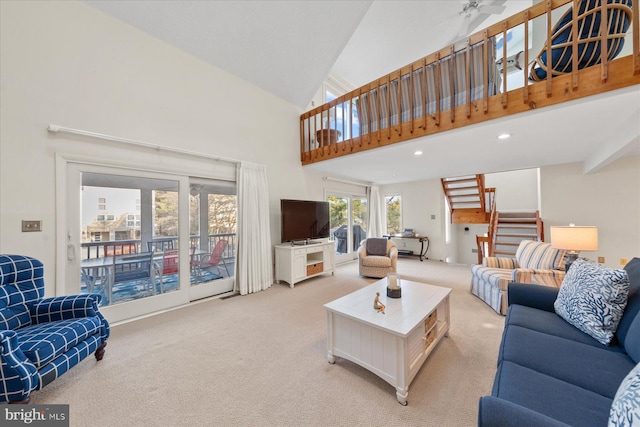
[{"x": 295, "y": 263}]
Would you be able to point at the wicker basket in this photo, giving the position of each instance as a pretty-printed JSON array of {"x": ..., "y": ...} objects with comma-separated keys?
[
  {"x": 327, "y": 136},
  {"x": 315, "y": 268}
]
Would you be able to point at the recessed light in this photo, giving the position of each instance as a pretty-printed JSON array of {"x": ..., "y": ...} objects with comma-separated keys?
[
  {"x": 418, "y": 153},
  {"x": 504, "y": 136}
]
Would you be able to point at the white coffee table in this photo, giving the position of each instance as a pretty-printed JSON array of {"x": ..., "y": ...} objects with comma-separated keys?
[{"x": 393, "y": 345}]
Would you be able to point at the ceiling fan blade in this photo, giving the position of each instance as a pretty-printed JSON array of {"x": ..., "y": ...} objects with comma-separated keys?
[{"x": 464, "y": 27}]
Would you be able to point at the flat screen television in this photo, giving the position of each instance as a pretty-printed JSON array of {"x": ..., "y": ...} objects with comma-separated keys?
[{"x": 304, "y": 220}]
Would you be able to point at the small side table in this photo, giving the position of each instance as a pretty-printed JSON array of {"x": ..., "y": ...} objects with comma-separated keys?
[{"x": 422, "y": 239}]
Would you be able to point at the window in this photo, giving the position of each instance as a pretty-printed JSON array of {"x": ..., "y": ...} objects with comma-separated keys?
[
  {"x": 96, "y": 236},
  {"x": 102, "y": 204},
  {"x": 393, "y": 207},
  {"x": 133, "y": 221}
]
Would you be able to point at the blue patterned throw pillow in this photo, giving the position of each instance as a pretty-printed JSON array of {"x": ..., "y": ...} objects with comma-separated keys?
[
  {"x": 625, "y": 410},
  {"x": 592, "y": 298}
]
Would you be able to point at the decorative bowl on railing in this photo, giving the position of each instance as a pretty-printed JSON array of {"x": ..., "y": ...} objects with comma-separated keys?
[{"x": 327, "y": 136}]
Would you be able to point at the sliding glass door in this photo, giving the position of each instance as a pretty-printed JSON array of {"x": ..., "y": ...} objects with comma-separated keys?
[
  {"x": 348, "y": 217},
  {"x": 212, "y": 230},
  {"x": 147, "y": 241}
]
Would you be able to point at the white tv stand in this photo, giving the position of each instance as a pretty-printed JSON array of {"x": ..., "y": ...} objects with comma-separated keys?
[{"x": 295, "y": 263}]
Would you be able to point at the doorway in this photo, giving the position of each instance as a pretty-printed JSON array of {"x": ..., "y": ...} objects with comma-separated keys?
[{"x": 348, "y": 220}]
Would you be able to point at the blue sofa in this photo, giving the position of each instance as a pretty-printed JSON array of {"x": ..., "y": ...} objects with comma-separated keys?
[
  {"x": 41, "y": 339},
  {"x": 552, "y": 374}
]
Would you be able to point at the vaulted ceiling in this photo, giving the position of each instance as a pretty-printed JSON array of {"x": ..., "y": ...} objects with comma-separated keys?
[{"x": 288, "y": 48}]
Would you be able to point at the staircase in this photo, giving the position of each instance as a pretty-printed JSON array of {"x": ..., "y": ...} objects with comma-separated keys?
[
  {"x": 468, "y": 199},
  {"x": 471, "y": 203},
  {"x": 513, "y": 227}
]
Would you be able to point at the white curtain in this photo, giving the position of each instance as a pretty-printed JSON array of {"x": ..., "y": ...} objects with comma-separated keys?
[
  {"x": 375, "y": 218},
  {"x": 254, "y": 269}
]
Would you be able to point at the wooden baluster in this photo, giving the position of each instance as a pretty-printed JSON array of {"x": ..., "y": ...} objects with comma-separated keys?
[
  {"x": 379, "y": 92},
  {"x": 344, "y": 134},
  {"x": 574, "y": 45},
  {"x": 467, "y": 57},
  {"x": 351, "y": 142},
  {"x": 388, "y": 106},
  {"x": 302, "y": 151},
  {"x": 424, "y": 93},
  {"x": 321, "y": 139},
  {"x": 369, "y": 101},
  {"x": 604, "y": 40},
  {"x": 360, "y": 106},
  {"x": 452, "y": 86},
  {"x": 525, "y": 90},
  {"x": 411, "y": 115},
  {"x": 636, "y": 37},
  {"x": 504, "y": 62},
  {"x": 549, "y": 59},
  {"x": 485, "y": 71},
  {"x": 335, "y": 144},
  {"x": 399, "y": 104},
  {"x": 437, "y": 116},
  {"x": 315, "y": 134},
  {"x": 344, "y": 141}
]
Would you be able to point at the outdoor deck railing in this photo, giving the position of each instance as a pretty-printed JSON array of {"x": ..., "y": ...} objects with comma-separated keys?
[
  {"x": 460, "y": 86},
  {"x": 97, "y": 249}
]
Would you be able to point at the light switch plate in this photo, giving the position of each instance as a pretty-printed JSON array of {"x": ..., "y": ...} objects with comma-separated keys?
[{"x": 31, "y": 225}]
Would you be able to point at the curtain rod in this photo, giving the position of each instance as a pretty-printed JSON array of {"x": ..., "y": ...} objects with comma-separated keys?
[
  {"x": 344, "y": 181},
  {"x": 55, "y": 129}
]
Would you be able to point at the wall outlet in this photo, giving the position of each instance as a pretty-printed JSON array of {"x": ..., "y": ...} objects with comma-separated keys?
[
  {"x": 31, "y": 225},
  {"x": 600, "y": 260},
  {"x": 623, "y": 261}
]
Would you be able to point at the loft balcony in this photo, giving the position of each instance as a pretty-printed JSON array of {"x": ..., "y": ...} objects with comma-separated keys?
[{"x": 494, "y": 73}]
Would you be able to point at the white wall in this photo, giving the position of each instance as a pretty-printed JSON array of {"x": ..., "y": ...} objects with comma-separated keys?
[
  {"x": 68, "y": 64},
  {"x": 608, "y": 199}
]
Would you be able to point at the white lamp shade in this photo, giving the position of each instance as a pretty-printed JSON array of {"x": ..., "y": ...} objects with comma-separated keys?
[{"x": 574, "y": 238}]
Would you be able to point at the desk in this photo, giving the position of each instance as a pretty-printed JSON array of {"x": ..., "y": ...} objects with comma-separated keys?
[{"x": 421, "y": 239}]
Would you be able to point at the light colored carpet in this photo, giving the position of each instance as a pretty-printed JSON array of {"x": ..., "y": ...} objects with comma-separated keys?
[{"x": 260, "y": 360}]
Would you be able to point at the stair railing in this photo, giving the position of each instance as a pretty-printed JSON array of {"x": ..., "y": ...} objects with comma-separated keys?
[
  {"x": 539, "y": 227},
  {"x": 483, "y": 247},
  {"x": 481, "y": 192},
  {"x": 486, "y": 244},
  {"x": 493, "y": 227}
]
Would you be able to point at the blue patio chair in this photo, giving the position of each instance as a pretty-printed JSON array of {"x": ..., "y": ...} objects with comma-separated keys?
[{"x": 133, "y": 267}]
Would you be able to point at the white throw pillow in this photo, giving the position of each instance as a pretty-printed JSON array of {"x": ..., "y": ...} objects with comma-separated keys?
[{"x": 593, "y": 298}]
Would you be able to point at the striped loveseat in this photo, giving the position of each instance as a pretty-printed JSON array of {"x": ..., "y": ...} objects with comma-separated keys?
[
  {"x": 535, "y": 262},
  {"x": 42, "y": 338}
]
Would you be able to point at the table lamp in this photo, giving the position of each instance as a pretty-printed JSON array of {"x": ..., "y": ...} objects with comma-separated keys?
[{"x": 574, "y": 239}]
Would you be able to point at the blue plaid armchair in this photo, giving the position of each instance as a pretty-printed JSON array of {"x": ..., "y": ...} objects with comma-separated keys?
[{"x": 41, "y": 339}]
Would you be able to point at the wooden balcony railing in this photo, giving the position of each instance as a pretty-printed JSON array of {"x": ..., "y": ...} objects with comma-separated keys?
[{"x": 456, "y": 87}]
